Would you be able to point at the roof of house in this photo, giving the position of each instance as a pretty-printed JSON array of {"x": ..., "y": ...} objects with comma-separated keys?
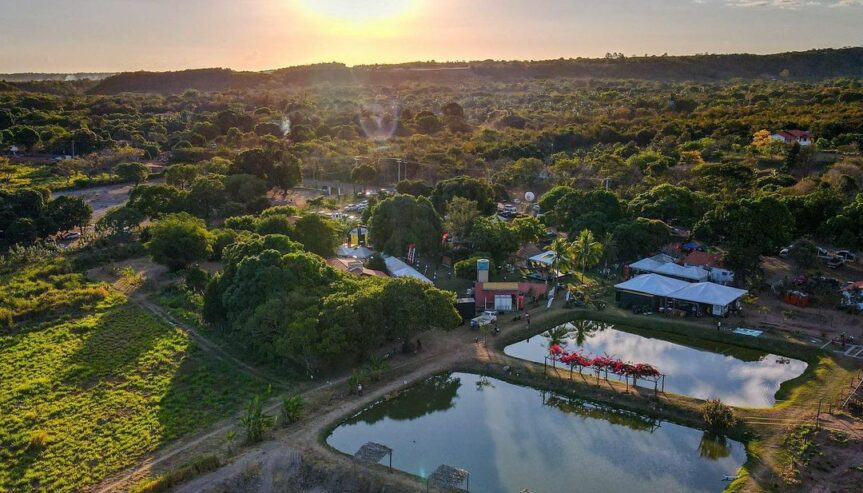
[
  {"x": 703, "y": 259},
  {"x": 693, "y": 273},
  {"x": 708, "y": 293},
  {"x": 398, "y": 268},
  {"x": 652, "y": 284},
  {"x": 793, "y": 134},
  {"x": 500, "y": 286},
  {"x": 528, "y": 251}
]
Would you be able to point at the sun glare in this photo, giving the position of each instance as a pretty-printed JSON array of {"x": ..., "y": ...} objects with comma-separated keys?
[{"x": 359, "y": 15}]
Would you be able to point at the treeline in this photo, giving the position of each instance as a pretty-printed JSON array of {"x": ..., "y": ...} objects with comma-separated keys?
[
  {"x": 812, "y": 64},
  {"x": 213, "y": 79}
]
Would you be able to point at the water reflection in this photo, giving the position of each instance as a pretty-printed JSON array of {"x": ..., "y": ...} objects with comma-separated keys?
[
  {"x": 611, "y": 414},
  {"x": 713, "y": 446},
  {"x": 438, "y": 393},
  {"x": 510, "y": 438},
  {"x": 741, "y": 377}
]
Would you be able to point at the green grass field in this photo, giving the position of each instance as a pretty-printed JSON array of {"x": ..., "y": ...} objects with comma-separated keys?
[
  {"x": 15, "y": 176},
  {"x": 95, "y": 382}
]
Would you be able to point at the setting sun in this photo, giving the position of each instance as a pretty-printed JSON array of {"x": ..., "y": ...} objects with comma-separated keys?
[{"x": 359, "y": 16}]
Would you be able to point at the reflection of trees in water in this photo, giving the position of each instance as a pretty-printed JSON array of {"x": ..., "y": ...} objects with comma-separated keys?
[
  {"x": 433, "y": 395},
  {"x": 713, "y": 446},
  {"x": 483, "y": 382},
  {"x": 613, "y": 415},
  {"x": 578, "y": 331}
]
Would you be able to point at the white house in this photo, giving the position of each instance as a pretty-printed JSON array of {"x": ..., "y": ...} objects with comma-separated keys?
[{"x": 802, "y": 137}]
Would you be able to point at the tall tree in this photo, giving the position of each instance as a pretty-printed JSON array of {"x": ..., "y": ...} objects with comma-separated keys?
[
  {"x": 588, "y": 251},
  {"x": 178, "y": 240}
]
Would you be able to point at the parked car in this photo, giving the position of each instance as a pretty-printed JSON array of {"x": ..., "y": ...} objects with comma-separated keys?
[
  {"x": 485, "y": 318},
  {"x": 835, "y": 262},
  {"x": 848, "y": 256}
]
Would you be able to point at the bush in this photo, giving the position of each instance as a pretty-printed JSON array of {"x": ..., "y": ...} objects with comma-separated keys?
[
  {"x": 466, "y": 269},
  {"x": 255, "y": 421},
  {"x": 196, "y": 279},
  {"x": 5, "y": 319},
  {"x": 717, "y": 416},
  {"x": 292, "y": 409},
  {"x": 177, "y": 240},
  {"x": 39, "y": 439}
]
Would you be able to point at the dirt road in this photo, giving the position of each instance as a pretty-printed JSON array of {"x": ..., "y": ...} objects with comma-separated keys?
[{"x": 104, "y": 197}]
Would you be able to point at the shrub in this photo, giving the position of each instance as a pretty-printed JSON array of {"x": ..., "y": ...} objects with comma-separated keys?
[
  {"x": 292, "y": 409},
  {"x": 255, "y": 421},
  {"x": 39, "y": 439},
  {"x": 717, "y": 416},
  {"x": 5, "y": 319}
]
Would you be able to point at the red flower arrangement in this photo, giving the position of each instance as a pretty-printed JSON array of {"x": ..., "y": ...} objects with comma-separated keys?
[{"x": 603, "y": 363}]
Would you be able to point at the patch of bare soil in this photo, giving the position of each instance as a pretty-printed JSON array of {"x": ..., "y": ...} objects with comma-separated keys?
[
  {"x": 816, "y": 321},
  {"x": 830, "y": 459}
]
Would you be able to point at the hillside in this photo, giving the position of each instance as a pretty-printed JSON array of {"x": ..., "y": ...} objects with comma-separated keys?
[{"x": 813, "y": 64}]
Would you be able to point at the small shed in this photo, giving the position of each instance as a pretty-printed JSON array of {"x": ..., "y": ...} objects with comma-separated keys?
[{"x": 505, "y": 296}]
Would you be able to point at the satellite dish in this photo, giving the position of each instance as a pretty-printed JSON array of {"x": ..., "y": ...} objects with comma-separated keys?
[{"x": 529, "y": 196}]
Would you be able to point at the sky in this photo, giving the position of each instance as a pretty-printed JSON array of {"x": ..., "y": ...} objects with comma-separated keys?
[{"x": 122, "y": 35}]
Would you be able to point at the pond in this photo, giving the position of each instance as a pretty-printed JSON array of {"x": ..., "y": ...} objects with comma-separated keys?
[
  {"x": 510, "y": 437},
  {"x": 738, "y": 376}
]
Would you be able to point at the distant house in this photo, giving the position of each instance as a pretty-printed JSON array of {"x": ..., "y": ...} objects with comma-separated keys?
[{"x": 802, "y": 137}]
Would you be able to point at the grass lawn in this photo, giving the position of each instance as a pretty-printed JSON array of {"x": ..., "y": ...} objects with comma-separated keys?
[
  {"x": 15, "y": 176},
  {"x": 95, "y": 382}
]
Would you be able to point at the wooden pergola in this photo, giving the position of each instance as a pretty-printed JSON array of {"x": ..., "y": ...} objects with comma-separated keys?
[
  {"x": 372, "y": 453},
  {"x": 449, "y": 477}
]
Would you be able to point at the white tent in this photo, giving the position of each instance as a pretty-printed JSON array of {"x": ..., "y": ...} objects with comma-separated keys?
[
  {"x": 652, "y": 284},
  {"x": 398, "y": 268},
  {"x": 651, "y": 264},
  {"x": 359, "y": 252},
  {"x": 546, "y": 258},
  {"x": 708, "y": 293},
  {"x": 691, "y": 273}
]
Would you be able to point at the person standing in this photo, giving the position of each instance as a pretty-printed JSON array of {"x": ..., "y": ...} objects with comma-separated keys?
[{"x": 527, "y": 318}]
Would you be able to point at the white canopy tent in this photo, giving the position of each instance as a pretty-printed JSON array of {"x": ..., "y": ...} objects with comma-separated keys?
[
  {"x": 690, "y": 273},
  {"x": 359, "y": 252},
  {"x": 709, "y": 293},
  {"x": 546, "y": 258},
  {"x": 398, "y": 268},
  {"x": 651, "y": 264},
  {"x": 652, "y": 284}
]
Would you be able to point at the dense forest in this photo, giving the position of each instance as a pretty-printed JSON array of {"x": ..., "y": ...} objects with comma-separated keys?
[{"x": 806, "y": 65}]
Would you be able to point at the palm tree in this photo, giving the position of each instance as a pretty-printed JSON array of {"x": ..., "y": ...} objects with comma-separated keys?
[
  {"x": 587, "y": 251},
  {"x": 563, "y": 256}
]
